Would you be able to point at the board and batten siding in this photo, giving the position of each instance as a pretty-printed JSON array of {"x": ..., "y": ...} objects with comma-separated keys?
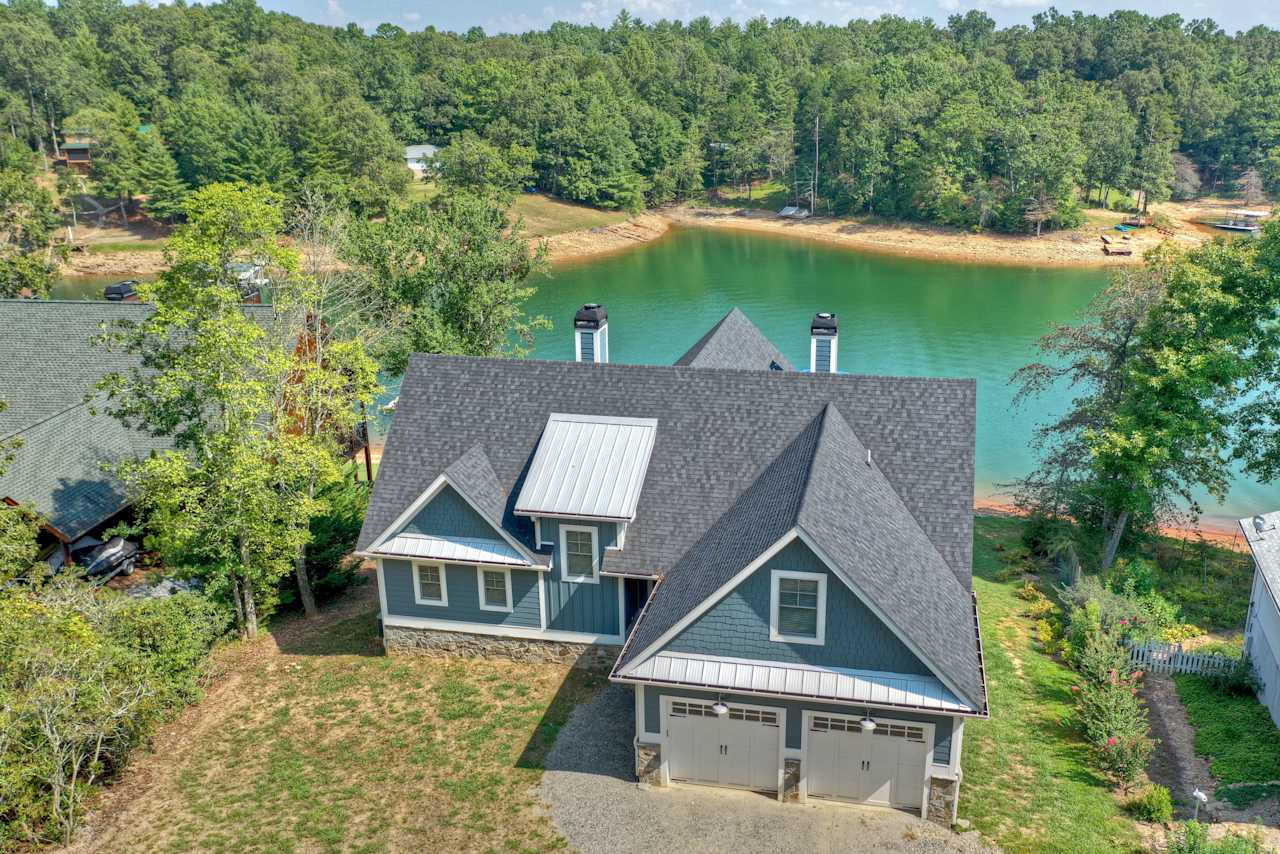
[
  {"x": 943, "y": 724},
  {"x": 449, "y": 515},
  {"x": 1264, "y": 644},
  {"x": 577, "y": 606},
  {"x": 464, "y": 596},
  {"x": 738, "y": 625}
]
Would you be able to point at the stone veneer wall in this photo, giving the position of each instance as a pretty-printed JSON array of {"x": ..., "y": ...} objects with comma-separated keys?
[
  {"x": 790, "y": 779},
  {"x": 944, "y": 798},
  {"x": 649, "y": 763},
  {"x": 408, "y": 640}
]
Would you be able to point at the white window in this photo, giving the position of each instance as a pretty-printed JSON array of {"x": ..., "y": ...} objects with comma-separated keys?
[
  {"x": 799, "y": 607},
  {"x": 495, "y": 589},
  {"x": 580, "y": 553},
  {"x": 429, "y": 584}
]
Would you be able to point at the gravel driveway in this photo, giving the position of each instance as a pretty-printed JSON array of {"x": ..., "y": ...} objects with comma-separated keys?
[{"x": 590, "y": 787}]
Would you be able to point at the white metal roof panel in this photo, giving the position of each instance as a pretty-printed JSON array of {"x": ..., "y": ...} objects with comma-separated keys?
[
  {"x": 453, "y": 549},
  {"x": 591, "y": 466},
  {"x": 799, "y": 680},
  {"x": 1265, "y": 545}
]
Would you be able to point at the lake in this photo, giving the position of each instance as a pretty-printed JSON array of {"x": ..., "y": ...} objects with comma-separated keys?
[{"x": 897, "y": 316}]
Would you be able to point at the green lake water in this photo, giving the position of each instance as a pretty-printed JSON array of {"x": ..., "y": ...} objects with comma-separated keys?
[{"x": 897, "y": 316}]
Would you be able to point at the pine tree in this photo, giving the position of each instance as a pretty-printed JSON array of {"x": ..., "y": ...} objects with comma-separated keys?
[
  {"x": 258, "y": 155},
  {"x": 166, "y": 193}
]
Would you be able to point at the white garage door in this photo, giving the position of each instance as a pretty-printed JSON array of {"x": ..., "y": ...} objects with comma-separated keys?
[
  {"x": 739, "y": 748},
  {"x": 883, "y": 767}
]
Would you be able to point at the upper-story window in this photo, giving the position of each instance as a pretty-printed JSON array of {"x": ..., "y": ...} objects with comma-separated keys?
[
  {"x": 580, "y": 553},
  {"x": 799, "y": 607}
]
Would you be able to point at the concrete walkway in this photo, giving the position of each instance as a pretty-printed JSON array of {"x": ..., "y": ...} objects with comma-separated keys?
[{"x": 595, "y": 803}]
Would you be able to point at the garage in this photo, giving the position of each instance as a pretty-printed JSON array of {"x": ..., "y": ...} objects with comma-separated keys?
[
  {"x": 882, "y": 766},
  {"x": 739, "y": 747}
]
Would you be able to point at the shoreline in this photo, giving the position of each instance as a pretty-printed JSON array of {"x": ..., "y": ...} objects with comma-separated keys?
[
  {"x": 1079, "y": 248},
  {"x": 1224, "y": 535}
]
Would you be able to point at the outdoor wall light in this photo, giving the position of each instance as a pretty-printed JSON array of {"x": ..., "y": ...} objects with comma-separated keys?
[
  {"x": 719, "y": 708},
  {"x": 867, "y": 723}
]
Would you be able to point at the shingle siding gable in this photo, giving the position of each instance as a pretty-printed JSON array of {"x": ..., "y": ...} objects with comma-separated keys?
[{"x": 738, "y": 625}]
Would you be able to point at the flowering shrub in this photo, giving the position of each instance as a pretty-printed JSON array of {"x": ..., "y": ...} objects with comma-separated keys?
[{"x": 1114, "y": 722}]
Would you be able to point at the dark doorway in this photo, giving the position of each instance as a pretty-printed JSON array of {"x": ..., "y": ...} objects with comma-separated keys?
[{"x": 635, "y": 593}]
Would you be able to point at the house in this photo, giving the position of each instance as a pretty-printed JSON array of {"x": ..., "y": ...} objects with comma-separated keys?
[
  {"x": 77, "y": 146},
  {"x": 1262, "y": 627},
  {"x": 51, "y": 366},
  {"x": 778, "y": 562},
  {"x": 419, "y": 157}
]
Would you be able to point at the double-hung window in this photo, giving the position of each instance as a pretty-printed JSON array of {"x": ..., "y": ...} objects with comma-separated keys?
[
  {"x": 429, "y": 585},
  {"x": 578, "y": 547},
  {"x": 799, "y": 601},
  {"x": 495, "y": 589}
]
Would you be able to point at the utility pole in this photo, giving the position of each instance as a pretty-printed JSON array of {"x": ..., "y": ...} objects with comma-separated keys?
[{"x": 813, "y": 187}]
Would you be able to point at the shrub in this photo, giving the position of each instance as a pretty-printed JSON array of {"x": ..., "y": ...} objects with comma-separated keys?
[
  {"x": 333, "y": 536},
  {"x": 1180, "y": 632},
  {"x": 1194, "y": 839},
  {"x": 1028, "y": 592},
  {"x": 1154, "y": 805},
  {"x": 1236, "y": 678},
  {"x": 1102, "y": 658},
  {"x": 1114, "y": 722},
  {"x": 173, "y": 636},
  {"x": 1133, "y": 577}
]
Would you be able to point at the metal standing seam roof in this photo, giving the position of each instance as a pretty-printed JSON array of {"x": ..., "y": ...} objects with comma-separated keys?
[
  {"x": 1266, "y": 548},
  {"x": 456, "y": 549},
  {"x": 799, "y": 680},
  {"x": 588, "y": 466}
]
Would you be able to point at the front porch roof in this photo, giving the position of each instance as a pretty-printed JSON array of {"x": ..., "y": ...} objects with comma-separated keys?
[
  {"x": 800, "y": 681},
  {"x": 453, "y": 550}
]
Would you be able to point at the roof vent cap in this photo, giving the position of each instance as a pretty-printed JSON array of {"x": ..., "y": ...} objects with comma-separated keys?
[
  {"x": 1259, "y": 523},
  {"x": 592, "y": 315}
]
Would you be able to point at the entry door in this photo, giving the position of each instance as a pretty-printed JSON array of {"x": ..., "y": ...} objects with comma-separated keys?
[
  {"x": 884, "y": 767},
  {"x": 738, "y": 749}
]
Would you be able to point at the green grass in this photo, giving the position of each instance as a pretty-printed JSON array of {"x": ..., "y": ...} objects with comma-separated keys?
[
  {"x": 332, "y": 746},
  {"x": 1248, "y": 793},
  {"x": 764, "y": 195},
  {"x": 543, "y": 215},
  {"x": 151, "y": 245},
  {"x": 1235, "y": 732},
  {"x": 1209, "y": 583},
  {"x": 1028, "y": 783}
]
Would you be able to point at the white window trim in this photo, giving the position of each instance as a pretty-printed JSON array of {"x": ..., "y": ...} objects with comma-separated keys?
[
  {"x": 594, "y": 577},
  {"x": 776, "y": 576},
  {"x": 619, "y": 537},
  {"x": 506, "y": 574},
  {"x": 443, "y": 601}
]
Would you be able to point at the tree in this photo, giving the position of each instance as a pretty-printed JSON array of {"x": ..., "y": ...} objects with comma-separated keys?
[
  {"x": 476, "y": 165},
  {"x": 18, "y": 523},
  {"x": 28, "y": 220},
  {"x": 1186, "y": 178},
  {"x": 1250, "y": 184},
  {"x": 225, "y": 503},
  {"x": 449, "y": 278},
  {"x": 166, "y": 193}
]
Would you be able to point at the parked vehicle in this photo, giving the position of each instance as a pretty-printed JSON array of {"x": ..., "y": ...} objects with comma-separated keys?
[
  {"x": 117, "y": 556},
  {"x": 126, "y": 291}
]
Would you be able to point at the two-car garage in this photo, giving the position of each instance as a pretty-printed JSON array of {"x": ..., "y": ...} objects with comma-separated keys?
[{"x": 842, "y": 757}]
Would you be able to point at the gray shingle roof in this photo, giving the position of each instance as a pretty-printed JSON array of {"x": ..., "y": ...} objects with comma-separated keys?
[
  {"x": 49, "y": 363},
  {"x": 1265, "y": 547},
  {"x": 823, "y": 485},
  {"x": 735, "y": 342}
]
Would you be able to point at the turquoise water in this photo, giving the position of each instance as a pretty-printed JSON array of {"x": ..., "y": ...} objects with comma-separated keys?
[{"x": 897, "y": 316}]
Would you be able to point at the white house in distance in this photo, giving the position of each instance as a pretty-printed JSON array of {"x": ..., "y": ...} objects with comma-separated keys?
[
  {"x": 1262, "y": 628},
  {"x": 418, "y": 158}
]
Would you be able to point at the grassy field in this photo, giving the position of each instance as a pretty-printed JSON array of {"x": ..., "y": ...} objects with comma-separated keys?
[
  {"x": 328, "y": 745},
  {"x": 1209, "y": 583},
  {"x": 764, "y": 195},
  {"x": 543, "y": 215},
  {"x": 1028, "y": 782},
  {"x": 155, "y": 245}
]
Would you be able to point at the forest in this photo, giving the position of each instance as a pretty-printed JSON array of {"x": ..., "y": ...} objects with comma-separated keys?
[{"x": 963, "y": 124}]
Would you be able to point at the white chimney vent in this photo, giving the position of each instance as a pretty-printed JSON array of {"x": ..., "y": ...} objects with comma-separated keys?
[
  {"x": 824, "y": 340},
  {"x": 591, "y": 334}
]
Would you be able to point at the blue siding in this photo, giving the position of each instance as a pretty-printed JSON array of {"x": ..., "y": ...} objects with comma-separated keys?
[
  {"x": 464, "y": 596},
  {"x": 943, "y": 725},
  {"x": 588, "y": 346},
  {"x": 578, "y": 607},
  {"x": 822, "y": 355},
  {"x": 449, "y": 515},
  {"x": 738, "y": 625}
]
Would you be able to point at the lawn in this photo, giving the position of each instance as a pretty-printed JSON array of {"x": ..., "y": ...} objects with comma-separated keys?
[
  {"x": 1209, "y": 583},
  {"x": 1028, "y": 783},
  {"x": 764, "y": 195},
  {"x": 543, "y": 215},
  {"x": 142, "y": 245},
  {"x": 1235, "y": 732},
  {"x": 328, "y": 745}
]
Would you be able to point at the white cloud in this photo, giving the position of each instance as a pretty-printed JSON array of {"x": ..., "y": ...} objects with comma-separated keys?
[
  {"x": 412, "y": 17},
  {"x": 335, "y": 11}
]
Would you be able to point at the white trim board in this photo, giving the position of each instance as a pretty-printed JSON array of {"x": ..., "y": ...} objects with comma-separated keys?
[
  {"x": 425, "y": 498},
  {"x": 498, "y": 630}
]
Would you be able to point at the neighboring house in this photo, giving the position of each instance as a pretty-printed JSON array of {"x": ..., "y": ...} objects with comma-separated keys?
[
  {"x": 777, "y": 561},
  {"x": 418, "y": 158},
  {"x": 76, "y": 148},
  {"x": 50, "y": 365},
  {"x": 1262, "y": 627}
]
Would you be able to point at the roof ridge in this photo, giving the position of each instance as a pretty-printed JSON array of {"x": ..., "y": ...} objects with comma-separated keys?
[{"x": 46, "y": 419}]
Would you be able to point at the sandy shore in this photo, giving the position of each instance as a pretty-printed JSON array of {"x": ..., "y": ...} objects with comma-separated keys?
[
  {"x": 1227, "y": 536},
  {"x": 1081, "y": 247},
  {"x": 591, "y": 242}
]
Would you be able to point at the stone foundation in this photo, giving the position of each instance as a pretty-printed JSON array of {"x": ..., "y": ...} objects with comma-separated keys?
[
  {"x": 649, "y": 764},
  {"x": 405, "y": 640},
  {"x": 944, "y": 798},
  {"x": 790, "y": 780}
]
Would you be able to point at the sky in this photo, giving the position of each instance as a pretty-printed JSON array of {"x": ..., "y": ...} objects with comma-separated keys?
[{"x": 515, "y": 16}]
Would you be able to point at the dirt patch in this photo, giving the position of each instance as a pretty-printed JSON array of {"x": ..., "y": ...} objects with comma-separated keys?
[
  {"x": 1081, "y": 247},
  {"x": 605, "y": 239}
]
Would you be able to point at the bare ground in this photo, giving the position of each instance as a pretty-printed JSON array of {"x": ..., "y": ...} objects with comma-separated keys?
[{"x": 1175, "y": 765}]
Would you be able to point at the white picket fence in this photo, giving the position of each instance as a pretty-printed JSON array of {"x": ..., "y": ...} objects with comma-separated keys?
[{"x": 1156, "y": 657}]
